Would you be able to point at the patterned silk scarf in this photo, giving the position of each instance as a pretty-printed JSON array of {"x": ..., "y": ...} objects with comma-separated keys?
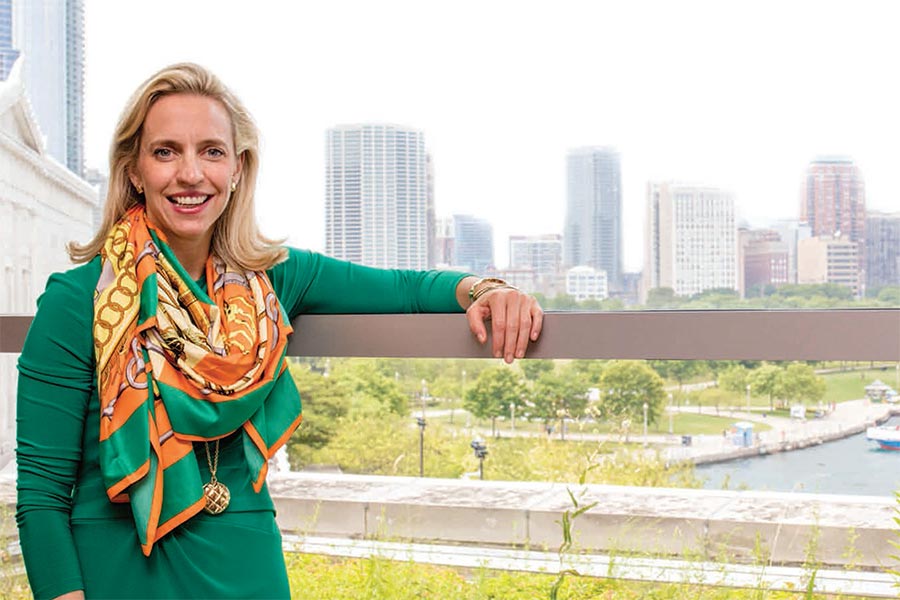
[{"x": 175, "y": 366}]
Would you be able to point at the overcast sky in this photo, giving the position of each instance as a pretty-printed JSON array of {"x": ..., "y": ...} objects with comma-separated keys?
[{"x": 736, "y": 94}]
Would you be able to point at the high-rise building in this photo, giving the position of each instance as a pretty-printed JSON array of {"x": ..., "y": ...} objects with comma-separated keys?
[
  {"x": 376, "y": 200},
  {"x": 586, "y": 283},
  {"x": 8, "y": 54},
  {"x": 593, "y": 226},
  {"x": 50, "y": 35},
  {"x": 691, "y": 239},
  {"x": 882, "y": 249},
  {"x": 473, "y": 245},
  {"x": 791, "y": 232},
  {"x": 834, "y": 201},
  {"x": 540, "y": 253},
  {"x": 828, "y": 259},
  {"x": 763, "y": 260}
]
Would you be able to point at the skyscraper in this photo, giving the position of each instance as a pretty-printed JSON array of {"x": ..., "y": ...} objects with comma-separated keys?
[
  {"x": 882, "y": 249},
  {"x": 377, "y": 200},
  {"x": 593, "y": 227},
  {"x": 473, "y": 246},
  {"x": 8, "y": 54},
  {"x": 691, "y": 239},
  {"x": 835, "y": 199},
  {"x": 50, "y": 34}
]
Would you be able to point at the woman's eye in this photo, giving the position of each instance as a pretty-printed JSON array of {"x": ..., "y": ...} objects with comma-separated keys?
[
  {"x": 216, "y": 152},
  {"x": 162, "y": 153}
]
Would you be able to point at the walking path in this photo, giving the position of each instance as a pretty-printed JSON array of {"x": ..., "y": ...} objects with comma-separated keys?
[{"x": 847, "y": 418}]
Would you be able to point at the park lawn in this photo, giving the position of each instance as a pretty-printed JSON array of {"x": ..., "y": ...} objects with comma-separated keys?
[
  {"x": 840, "y": 387},
  {"x": 687, "y": 423}
]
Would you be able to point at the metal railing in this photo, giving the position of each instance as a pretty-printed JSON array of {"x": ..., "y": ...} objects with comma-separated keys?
[{"x": 834, "y": 335}]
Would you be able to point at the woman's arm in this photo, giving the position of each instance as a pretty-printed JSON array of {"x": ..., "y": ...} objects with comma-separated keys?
[
  {"x": 313, "y": 283},
  {"x": 55, "y": 379}
]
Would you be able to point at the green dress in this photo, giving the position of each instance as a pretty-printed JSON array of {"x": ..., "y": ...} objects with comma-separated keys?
[{"x": 73, "y": 537}]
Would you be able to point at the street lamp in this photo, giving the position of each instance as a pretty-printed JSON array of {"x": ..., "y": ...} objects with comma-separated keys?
[
  {"x": 480, "y": 452},
  {"x": 646, "y": 406},
  {"x": 748, "y": 398},
  {"x": 420, "y": 421}
]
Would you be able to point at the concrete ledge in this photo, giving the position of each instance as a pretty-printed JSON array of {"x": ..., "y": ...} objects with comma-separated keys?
[{"x": 845, "y": 531}]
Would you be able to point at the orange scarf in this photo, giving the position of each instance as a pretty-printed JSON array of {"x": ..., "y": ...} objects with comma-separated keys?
[{"x": 175, "y": 366}]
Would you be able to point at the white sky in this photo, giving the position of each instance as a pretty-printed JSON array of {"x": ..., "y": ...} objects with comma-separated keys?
[{"x": 737, "y": 94}]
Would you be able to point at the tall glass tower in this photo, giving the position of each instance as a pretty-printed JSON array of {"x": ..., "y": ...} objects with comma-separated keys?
[
  {"x": 50, "y": 35},
  {"x": 593, "y": 227},
  {"x": 376, "y": 196},
  {"x": 8, "y": 54}
]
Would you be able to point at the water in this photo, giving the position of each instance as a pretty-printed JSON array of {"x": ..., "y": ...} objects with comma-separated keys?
[{"x": 849, "y": 466}]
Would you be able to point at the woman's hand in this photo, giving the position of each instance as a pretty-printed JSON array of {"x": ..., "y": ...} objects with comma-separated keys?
[
  {"x": 77, "y": 595},
  {"x": 516, "y": 318}
]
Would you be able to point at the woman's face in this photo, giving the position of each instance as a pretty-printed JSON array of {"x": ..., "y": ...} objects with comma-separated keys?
[{"x": 186, "y": 165}]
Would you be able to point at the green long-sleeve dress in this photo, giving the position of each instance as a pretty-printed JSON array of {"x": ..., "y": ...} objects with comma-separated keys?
[{"x": 73, "y": 537}]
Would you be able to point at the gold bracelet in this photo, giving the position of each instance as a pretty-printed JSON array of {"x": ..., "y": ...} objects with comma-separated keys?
[
  {"x": 486, "y": 284},
  {"x": 474, "y": 287}
]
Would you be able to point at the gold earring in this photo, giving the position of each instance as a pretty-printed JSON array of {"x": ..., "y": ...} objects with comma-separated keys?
[
  {"x": 233, "y": 185},
  {"x": 140, "y": 190}
]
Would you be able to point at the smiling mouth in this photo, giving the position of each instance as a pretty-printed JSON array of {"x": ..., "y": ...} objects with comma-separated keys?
[{"x": 188, "y": 200}]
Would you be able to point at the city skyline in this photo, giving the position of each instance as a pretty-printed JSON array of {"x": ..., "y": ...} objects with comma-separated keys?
[{"x": 693, "y": 98}]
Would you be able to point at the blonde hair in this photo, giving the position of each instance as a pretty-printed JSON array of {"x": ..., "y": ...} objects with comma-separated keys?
[{"x": 236, "y": 237}]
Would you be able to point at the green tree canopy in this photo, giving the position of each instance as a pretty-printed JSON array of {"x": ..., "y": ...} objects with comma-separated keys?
[
  {"x": 734, "y": 379},
  {"x": 533, "y": 368},
  {"x": 494, "y": 390},
  {"x": 800, "y": 382},
  {"x": 557, "y": 395},
  {"x": 625, "y": 386},
  {"x": 766, "y": 381},
  {"x": 325, "y": 403}
]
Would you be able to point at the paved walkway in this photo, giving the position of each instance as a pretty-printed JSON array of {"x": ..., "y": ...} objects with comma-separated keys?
[{"x": 847, "y": 418}]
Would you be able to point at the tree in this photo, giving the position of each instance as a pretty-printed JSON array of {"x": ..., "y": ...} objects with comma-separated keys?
[
  {"x": 369, "y": 390},
  {"x": 663, "y": 297},
  {"x": 625, "y": 387},
  {"x": 534, "y": 368},
  {"x": 559, "y": 396},
  {"x": 679, "y": 370},
  {"x": 766, "y": 381},
  {"x": 800, "y": 382},
  {"x": 734, "y": 379},
  {"x": 325, "y": 403},
  {"x": 494, "y": 390}
]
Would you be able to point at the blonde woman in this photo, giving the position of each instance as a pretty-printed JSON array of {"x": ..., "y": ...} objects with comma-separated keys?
[{"x": 153, "y": 385}]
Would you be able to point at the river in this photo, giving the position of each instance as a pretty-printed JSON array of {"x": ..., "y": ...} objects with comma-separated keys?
[{"x": 849, "y": 466}]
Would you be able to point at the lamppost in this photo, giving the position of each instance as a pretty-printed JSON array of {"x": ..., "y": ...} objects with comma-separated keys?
[
  {"x": 748, "y": 398},
  {"x": 481, "y": 451},
  {"x": 671, "y": 415},
  {"x": 646, "y": 406},
  {"x": 420, "y": 421}
]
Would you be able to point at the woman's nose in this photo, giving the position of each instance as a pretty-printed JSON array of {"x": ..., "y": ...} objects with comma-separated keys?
[{"x": 190, "y": 172}]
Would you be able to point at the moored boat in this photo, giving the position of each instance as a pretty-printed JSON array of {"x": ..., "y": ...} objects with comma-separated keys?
[{"x": 887, "y": 437}]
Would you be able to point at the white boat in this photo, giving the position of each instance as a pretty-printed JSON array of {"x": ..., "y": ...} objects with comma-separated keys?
[{"x": 887, "y": 437}]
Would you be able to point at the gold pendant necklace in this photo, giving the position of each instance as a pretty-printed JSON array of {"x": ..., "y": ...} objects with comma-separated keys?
[{"x": 216, "y": 493}]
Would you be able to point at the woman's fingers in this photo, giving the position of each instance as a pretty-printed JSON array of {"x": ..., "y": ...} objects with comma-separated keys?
[{"x": 516, "y": 318}]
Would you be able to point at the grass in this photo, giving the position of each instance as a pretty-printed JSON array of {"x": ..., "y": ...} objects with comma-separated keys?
[
  {"x": 314, "y": 576},
  {"x": 840, "y": 387}
]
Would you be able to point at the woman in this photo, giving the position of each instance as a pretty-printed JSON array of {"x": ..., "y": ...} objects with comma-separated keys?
[{"x": 153, "y": 385}]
